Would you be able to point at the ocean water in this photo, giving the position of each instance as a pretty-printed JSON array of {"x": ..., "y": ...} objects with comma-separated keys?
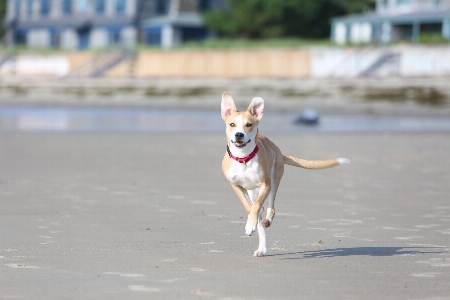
[{"x": 85, "y": 119}]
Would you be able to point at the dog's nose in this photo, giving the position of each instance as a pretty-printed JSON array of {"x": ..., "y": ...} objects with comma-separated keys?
[{"x": 239, "y": 135}]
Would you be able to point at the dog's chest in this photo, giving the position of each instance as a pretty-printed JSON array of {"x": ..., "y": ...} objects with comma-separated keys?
[{"x": 248, "y": 175}]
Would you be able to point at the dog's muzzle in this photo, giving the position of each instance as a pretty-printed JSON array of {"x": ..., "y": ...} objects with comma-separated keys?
[{"x": 238, "y": 142}]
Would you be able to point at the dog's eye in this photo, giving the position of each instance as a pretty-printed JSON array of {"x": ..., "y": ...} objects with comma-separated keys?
[
  {"x": 248, "y": 125},
  {"x": 232, "y": 124}
]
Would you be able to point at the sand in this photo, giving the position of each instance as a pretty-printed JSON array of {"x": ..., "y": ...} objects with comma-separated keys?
[{"x": 150, "y": 216}]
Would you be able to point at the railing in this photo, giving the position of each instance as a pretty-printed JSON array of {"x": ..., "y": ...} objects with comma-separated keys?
[
  {"x": 100, "y": 64},
  {"x": 387, "y": 59},
  {"x": 350, "y": 63},
  {"x": 365, "y": 62}
]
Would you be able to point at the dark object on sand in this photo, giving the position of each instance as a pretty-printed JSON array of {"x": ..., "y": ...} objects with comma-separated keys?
[{"x": 308, "y": 117}]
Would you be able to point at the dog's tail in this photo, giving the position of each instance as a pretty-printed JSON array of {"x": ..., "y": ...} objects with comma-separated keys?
[{"x": 313, "y": 164}]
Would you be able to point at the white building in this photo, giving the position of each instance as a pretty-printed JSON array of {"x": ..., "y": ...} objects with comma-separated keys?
[{"x": 394, "y": 20}]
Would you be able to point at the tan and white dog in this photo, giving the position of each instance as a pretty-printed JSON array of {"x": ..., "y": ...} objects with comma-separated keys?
[{"x": 254, "y": 165}]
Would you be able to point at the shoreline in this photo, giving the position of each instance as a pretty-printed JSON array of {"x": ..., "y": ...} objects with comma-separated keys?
[{"x": 378, "y": 96}]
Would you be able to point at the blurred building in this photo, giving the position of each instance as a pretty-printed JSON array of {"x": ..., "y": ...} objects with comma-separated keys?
[
  {"x": 394, "y": 20},
  {"x": 79, "y": 24}
]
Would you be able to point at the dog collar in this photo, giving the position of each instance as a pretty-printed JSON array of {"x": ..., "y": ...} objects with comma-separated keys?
[{"x": 243, "y": 160}]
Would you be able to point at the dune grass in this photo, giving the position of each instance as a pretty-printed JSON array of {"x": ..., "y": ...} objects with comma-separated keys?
[{"x": 246, "y": 43}]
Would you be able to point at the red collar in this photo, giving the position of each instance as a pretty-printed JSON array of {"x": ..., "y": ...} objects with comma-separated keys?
[{"x": 243, "y": 160}]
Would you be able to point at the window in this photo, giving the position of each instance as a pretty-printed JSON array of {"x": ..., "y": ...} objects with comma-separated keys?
[
  {"x": 205, "y": 5},
  {"x": 436, "y": 4},
  {"x": 340, "y": 33},
  {"x": 20, "y": 37},
  {"x": 153, "y": 36},
  {"x": 403, "y": 2},
  {"x": 67, "y": 7},
  {"x": 55, "y": 38},
  {"x": 114, "y": 35},
  {"x": 82, "y": 5},
  {"x": 45, "y": 7},
  {"x": 120, "y": 6},
  {"x": 162, "y": 7},
  {"x": 193, "y": 34},
  {"x": 17, "y": 8},
  {"x": 99, "y": 7},
  {"x": 29, "y": 7},
  {"x": 83, "y": 37}
]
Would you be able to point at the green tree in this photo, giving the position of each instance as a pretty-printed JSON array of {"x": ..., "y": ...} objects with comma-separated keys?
[
  {"x": 358, "y": 6},
  {"x": 275, "y": 18},
  {"x": 2, "y": 17}
]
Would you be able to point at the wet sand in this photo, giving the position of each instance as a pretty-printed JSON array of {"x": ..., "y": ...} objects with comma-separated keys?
[
  {"x": 378, "y": 96},
  {"x": 150, "y": 216}
]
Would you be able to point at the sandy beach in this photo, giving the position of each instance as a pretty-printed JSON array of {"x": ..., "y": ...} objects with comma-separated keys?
[{"x": 110, "y": 215}]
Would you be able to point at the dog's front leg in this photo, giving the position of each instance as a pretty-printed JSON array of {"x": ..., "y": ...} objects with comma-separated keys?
[
  {"x": 262, "y": 248},
  {"x": 243, "y": 196},
  {"x": 255, "y": 210}
]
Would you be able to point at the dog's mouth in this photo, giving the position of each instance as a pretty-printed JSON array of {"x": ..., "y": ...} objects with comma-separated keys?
[{"x": 240, "y": 144}]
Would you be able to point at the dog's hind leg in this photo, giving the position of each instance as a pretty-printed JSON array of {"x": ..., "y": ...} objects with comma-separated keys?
[
  {"x": 267, "y": 221},
  {"x": 262, "y": 248},
  {"x": 276, "y": 174}
]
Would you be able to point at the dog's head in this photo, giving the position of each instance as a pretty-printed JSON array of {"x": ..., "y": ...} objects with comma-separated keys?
[{"x": 242, "y": 127}]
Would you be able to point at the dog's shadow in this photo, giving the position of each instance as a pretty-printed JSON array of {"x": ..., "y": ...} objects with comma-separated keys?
[{"x": 361, "y": 251}]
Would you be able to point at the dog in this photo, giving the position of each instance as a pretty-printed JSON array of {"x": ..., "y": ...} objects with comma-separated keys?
[{"x": 254, "y": 165}]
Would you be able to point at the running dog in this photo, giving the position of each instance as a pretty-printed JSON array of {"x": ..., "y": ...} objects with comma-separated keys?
[{"x": 254, "y": 165}]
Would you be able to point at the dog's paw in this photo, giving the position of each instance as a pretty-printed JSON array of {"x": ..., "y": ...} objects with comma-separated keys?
[
  {"x": 266, "y": 222},
  {"x": 249, "y": 229},
  {"x": 260, "y": 253}
]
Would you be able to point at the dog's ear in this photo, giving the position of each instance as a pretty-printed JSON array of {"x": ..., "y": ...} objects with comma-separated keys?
[
  {"x": 228, "y": 106},
  {"x": 256, "y": 107}
]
